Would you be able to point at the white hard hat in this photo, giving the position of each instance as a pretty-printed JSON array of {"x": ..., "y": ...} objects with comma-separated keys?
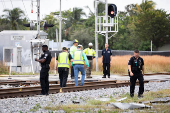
[
  {"x": 90, "y": 44},
  {"x": 80, "y": 46}
]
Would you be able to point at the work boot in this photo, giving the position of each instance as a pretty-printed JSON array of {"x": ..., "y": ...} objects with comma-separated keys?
[
  {"x": 132, "y": 95},
  {"x": 89, "y": 77}
]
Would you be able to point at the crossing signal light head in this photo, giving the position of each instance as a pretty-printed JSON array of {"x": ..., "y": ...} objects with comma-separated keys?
[
  {"x": 47, "y": 25},
  {"x": 31, "y": 25},
  {"x": 26, "y": 25},
  {"x": 112, "y": 10}
]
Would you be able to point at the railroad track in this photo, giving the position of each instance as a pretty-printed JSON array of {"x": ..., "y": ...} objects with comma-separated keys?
[
  {"x": 27, "y": 83},
  {"x": 150, "y": 74},
  {"x": 55, "y": 87},
  {"x": 32, "y": 91}
]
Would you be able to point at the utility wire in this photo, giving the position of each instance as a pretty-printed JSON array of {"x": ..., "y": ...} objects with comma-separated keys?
[
  {"x": 4, "y": 4},
  {"x": 12, "y": 4},
  {"x": 25, "y": 10}
]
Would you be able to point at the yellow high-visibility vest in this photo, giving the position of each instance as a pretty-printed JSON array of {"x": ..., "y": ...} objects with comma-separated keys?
[
  {"x": 78, "y": 57},
  {"x": 89, "y": 52},
  {"x": 63, "y": 60}
]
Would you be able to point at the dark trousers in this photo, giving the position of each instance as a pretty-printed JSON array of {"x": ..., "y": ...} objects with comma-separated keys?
[
  {"x": 44, "y": 75},
  {"x": 63, "y": 75},
  {"x": 106, "y": 69},
  {"x": 72, "y": 72},
  {"x": 133, "y": 81}
]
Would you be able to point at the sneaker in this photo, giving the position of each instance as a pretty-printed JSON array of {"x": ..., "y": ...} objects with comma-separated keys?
[
  {"x": 132, "y": 95},
  {"x": 104, "y": 77}
]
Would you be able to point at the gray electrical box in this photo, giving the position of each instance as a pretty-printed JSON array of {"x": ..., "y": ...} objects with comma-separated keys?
[
  {"x": 13, "y": 55},
  {"x": 16, "y": 47}
]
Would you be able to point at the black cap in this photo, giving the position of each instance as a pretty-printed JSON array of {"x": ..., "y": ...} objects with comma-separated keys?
[
  {"x": 65, "y": 48},
  {"x": 44, "y": 46}
]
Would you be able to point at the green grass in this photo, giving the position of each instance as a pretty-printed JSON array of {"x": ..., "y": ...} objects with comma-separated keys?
[
  {"x": 147, "y": 96},
  {"x": 3, "y": 69},
  {"x": 36, "y": 107},
  {"x": 97, "y": 106}
]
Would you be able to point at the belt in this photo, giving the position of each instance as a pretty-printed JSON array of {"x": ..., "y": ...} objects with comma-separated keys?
[{"x": 45, "y": 65}]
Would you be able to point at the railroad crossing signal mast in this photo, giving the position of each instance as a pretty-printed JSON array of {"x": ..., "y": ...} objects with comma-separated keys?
[
  {"x": 105, "y": 24},
  {"x": 37, "y": 39}
]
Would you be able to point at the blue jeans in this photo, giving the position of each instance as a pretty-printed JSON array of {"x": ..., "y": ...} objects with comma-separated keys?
[{"x": 77, "y": 68}]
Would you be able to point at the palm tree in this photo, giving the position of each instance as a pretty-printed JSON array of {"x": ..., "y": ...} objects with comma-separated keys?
[
  {"x": 77, "y": 14},
  {"x": 50, "y": 19},
  {"x": 14, "y": 16},
  {"x": 146, "y": 5},
  {"x": 74, "y": 19}
]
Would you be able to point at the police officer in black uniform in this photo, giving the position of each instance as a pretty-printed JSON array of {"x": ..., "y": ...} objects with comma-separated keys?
[
  {"x": 45, "y": 60},
  {"x": 106, "y": 60},
  {"x": 136, "y": 71}
]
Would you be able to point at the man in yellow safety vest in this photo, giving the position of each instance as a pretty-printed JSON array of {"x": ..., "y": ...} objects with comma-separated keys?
[
  {"x": 63, "y": 65},
  {"x": 72, "y": 50},
  {"x": 79, "y": 58},
  {"x": 90, "y": 53}
]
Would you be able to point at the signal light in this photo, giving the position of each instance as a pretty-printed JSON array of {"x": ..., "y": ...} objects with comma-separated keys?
[
  {"x": 112, "y": 10},
  {"x": 47, "y": 25},
  {"x": 31, "y": 25}
]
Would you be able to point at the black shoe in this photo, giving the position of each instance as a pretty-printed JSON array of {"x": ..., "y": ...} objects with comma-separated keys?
[
  {"x": 42, "y": 94},
  {"x": 47, "y": 94},
  {"x": 132, "y": 95},
  {"x": 72, "y": 77},
  {"x": 140, "y": 95},
  {"x": 89, "y": 77},
  {"x": 104, "y": 77},
  {"x": 78, "y": 77},
  {"x": 108, "y": 76}
]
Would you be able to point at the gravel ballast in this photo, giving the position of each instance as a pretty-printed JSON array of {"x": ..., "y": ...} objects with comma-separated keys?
[{"x": 17, "y": 105}]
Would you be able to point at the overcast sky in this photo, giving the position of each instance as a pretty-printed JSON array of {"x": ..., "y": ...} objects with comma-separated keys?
[{"x": 47, "y": 6}]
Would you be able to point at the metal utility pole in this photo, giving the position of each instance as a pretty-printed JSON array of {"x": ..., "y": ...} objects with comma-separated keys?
[
  {"x": 151, "y": 45},
  {"x": 57, "y": 38},
  {"x": 106, "y": 11},
  {"x": 96, "y": 35},
  {"x": 38, "y": 18},
  {"x": 60, "y": 18}
]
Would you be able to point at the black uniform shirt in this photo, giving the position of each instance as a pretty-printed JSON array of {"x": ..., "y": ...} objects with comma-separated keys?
[
  {"x": 106, "y": 55},
  {"x": 136, "y": 64},
  {"x": 47, "y": 56},
  {"x": 69, "y": 56}
]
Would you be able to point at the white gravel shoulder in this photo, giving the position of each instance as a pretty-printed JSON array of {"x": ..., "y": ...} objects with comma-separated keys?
[{"x": 23, "y": 105}]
